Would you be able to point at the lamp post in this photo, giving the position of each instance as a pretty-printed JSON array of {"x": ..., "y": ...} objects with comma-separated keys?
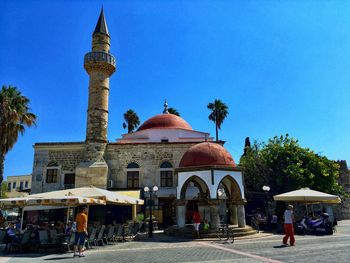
[
  {"x": 151, "y": 192},
  {"x": 222, "y": 195},
  {"x": 266, "y": 189}
]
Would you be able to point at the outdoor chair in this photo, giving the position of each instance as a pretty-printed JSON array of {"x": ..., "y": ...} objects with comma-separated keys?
[
  {"x": 129, "y": 233},
  {"x": 119, "y": 233},
  {"x": 136, "y": 230},
  {"x": 110, "y": 235},
  {"x": 22, "y": 243},
  {"x": 44, "y": 239},
  {"x": 100, "y": 235},
  {"x": 53, "y": 236},
  {"x": 92, "y": 238},
  {"x": 2, "y": 236},
  {"x": 69, "y": 243}
]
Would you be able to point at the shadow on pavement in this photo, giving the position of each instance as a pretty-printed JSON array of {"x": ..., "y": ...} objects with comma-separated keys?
[
  {"x": 280, "y": 246},
  {"x": 59, "y": 258}
]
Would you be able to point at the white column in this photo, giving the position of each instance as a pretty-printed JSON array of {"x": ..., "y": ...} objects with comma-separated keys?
[
  {"x": 233, "y": 211},
  {"x": 241, "y": 216},
  {"x": 214, "y": 216},
  {"x": 201, "y": 210},
  {"x": 180, "y": 215}
]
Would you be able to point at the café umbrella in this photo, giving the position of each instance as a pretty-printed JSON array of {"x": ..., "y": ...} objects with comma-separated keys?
[{"x": 308, "y": 196}]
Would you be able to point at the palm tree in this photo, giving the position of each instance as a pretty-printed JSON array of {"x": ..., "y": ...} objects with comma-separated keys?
[
  {"x": 132, "y": 120},
  {"x": 219, "y": 111},
  {"x": 173, "y": 111},
  {"x": 14, "y": 117}
]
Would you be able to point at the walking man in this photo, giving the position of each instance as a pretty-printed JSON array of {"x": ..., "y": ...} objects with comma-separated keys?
[
  {"x": 288, "y": 226},
  {"x": 81, "y": 233}
]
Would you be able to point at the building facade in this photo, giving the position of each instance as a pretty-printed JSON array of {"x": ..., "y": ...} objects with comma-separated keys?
[
  {"x": 155, "y": 154},
  {"x": 18, "y": 185}
]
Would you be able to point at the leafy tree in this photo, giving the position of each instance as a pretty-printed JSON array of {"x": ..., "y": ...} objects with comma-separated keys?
[
  {"x": 15, "y": 115},
  {"x": 4, "y": 190},
  {"x": 219, "y": 112},
  {"x": 173, "y": 111},
  {"x": 284, "y": 165},
  {"x": 132, "y": 120}
]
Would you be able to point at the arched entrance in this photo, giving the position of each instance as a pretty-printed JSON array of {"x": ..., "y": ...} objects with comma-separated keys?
[
  {"x": 193, "y": 194},
  {"x": 230, "y": 200}
]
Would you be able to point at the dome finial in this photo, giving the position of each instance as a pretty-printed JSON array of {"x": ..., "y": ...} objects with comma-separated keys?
[{"x": 165, "y": 111}]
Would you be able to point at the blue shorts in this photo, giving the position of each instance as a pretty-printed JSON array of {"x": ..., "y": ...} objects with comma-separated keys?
[{"x": 79, "y": 238}]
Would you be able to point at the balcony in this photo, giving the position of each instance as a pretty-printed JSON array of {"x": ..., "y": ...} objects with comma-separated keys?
[{"x": 99, "y": 57}]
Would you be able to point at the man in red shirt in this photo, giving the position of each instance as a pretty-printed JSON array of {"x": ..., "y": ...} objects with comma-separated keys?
[{"x": 81, "y": 233}]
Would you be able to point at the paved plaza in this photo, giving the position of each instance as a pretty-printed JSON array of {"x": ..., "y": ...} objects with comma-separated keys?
[{"x": 261, "y": 248}]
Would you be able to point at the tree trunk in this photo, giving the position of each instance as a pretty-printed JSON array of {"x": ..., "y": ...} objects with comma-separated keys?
[
  {"x": 2, "y": 160},
  {"x": 216, "y": 126}
]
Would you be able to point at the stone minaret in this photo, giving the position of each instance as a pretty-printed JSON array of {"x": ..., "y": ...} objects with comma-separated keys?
[{"x": 100, "y": 65}]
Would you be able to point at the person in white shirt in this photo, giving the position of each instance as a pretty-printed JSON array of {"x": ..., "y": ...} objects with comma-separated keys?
[{"x": 288, "y": 226}]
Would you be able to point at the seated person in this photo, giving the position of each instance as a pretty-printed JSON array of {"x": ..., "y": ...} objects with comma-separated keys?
[
  {"x": 60, "y": 228},
  {"x": 206, "y": 225},
  {"x": 34, "y": 236},
  {"x": 11, "y": 236}
]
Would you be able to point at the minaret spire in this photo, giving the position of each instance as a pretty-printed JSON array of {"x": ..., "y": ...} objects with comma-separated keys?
[
  {"x": 165, "y": 111},
  {"x": 101, "y": 26}
]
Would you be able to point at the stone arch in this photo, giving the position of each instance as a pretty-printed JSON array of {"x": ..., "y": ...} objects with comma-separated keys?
[
  {"x": 53, "y": 164},
  {"x": 231, "y": 187},
  {"x": 133, "y": 165},
  {"x": 166, "y": 164},
  {"x": 198, "y": 182}
]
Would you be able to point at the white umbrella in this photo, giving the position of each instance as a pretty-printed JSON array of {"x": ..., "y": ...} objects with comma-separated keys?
[
  {"x": 308, "y": 196},
  {"x": 65, "y": 201},
  {"x": 92, "y": 192}
]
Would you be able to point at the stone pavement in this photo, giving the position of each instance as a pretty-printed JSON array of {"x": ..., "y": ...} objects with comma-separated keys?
[{"x": 260, "y": 248}]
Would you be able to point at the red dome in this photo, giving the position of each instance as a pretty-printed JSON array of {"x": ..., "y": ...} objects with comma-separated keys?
[
  {"x": 207, "y": 153},
  {"x": 162, "y": 121}
]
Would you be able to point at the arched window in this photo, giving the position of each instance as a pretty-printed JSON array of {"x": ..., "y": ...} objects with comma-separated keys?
[
  {"x": 166, "y": 175},
  {"x": 133, "y": 166},
  {"x": 132, "y": 176},
  {"x": 166, "y": 165}
]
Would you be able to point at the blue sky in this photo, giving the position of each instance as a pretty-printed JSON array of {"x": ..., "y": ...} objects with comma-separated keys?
[{"x": 281, "y": 67}]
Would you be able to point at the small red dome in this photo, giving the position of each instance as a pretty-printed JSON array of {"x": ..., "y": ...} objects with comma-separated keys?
[
  {"x": 162, "y": 121},
  {"x": 207, "y": 153}
]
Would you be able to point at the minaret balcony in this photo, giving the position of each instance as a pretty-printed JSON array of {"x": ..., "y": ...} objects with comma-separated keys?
[{"x": 99, "y": 61}]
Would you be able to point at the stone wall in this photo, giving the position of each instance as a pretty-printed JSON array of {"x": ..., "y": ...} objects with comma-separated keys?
[
  {"x": 66, "y": 156},
  {"x": 148, "y": 156}
]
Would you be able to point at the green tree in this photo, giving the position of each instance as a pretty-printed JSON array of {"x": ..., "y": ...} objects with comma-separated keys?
[
  {"x": 4, "y": 190},
  {"x": 15, "y": 116},
  {"x": 173, "y": 111},
  {"x": 132, "y": 120},
  {"x": 284, "y": 165},
  {"x": 219, "y": 112}
]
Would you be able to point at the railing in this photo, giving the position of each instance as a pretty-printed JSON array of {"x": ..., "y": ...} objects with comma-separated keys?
[{"x": 99, "y": 57}]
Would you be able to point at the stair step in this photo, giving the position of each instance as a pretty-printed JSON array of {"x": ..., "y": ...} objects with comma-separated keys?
[{"x": 188, "y": 231}]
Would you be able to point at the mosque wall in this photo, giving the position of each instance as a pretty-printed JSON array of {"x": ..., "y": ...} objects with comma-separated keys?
[
  {"x": 61, "y": 157},
  {"x": 149, "y": 157}
]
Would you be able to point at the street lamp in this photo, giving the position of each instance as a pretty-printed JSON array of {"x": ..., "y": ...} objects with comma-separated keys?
[
  {"x": 151, "y": 192},
  {"x": 266, "y": 189},
  {"x": 222, "y": 195}
]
